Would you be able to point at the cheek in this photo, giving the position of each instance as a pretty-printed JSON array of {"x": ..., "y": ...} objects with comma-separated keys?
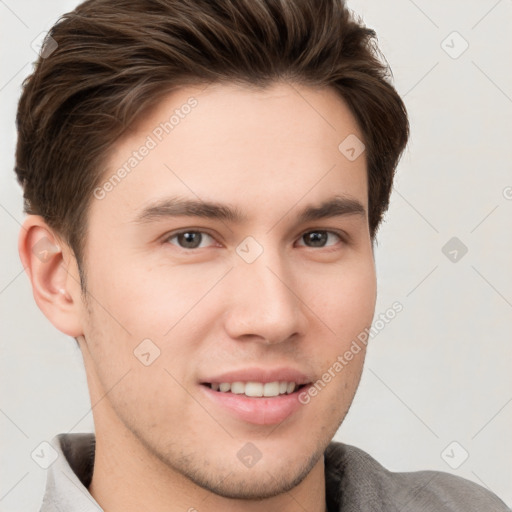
[
  {"x": 345, "y": 305},
  {"x": 345, "y": 300},
  {"x": 131, "y": 366},
  {"x": 157, "y": 310},
  {"x": 149, "y": 301}
]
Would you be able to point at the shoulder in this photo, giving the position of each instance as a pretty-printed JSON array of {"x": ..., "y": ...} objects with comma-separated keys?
[{"x": 355, "y": 480}]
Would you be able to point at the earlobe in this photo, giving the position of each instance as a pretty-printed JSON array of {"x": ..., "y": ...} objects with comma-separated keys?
[{"x": 53, "y": 273}]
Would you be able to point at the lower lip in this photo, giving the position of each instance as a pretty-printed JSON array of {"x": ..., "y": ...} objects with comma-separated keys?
[{"x": 257, "y": 410}]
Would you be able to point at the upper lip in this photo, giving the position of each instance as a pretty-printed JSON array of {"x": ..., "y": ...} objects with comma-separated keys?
[{"x": 263, "y": 375}]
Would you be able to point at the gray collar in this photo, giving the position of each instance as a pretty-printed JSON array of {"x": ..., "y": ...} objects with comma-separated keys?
[{"x": 70, "y": 475}]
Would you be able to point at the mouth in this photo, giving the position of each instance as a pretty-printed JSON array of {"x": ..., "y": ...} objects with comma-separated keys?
[
  {"x": 256, "y": 403},
  {"x": 253, "y": 389}
]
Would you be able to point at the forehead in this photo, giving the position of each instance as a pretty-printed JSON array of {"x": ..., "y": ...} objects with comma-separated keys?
[{"x": 258, "y": 149}]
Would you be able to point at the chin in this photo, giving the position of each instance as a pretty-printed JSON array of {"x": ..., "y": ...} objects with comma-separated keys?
[{"x": 258, "y": 482}]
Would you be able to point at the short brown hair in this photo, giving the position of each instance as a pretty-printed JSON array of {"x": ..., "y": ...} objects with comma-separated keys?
[{"x": 113, "y": 60}]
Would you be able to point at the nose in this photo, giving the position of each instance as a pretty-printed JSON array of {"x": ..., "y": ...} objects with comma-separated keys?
[{"x": 264, "y": 303}]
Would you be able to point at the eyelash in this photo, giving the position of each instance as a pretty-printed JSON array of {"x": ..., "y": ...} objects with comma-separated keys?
[{"x": 341, "y": 235}]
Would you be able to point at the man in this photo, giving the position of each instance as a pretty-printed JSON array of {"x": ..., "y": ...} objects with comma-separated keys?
[{"x": 204, "y": 183}]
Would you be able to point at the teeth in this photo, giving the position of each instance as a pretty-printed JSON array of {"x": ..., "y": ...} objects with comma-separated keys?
[
  {"x": 237, "y": 387},
  {"x": 256, "y": 389},
  {"x": 253, "y": 389},
  {"x": 271, "y": 389}
]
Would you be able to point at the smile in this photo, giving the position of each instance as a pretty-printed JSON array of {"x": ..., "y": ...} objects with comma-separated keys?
[{"x": 256, "y": 389}]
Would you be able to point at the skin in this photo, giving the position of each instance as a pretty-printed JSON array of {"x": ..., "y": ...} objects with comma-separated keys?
[{"x": 161, "y": 443}]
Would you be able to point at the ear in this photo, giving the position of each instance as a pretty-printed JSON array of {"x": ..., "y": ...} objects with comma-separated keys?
[{"x": 53, "y": 272}]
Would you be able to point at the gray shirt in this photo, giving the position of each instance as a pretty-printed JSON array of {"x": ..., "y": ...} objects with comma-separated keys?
[{"x": 354, "y": 482}]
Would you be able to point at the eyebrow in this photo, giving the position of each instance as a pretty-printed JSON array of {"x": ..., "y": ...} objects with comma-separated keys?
[{"x": 337, "y": 206}]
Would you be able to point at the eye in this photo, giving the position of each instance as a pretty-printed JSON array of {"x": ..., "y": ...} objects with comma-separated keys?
[
  {"x": 189, "y": 239},
  {"x": 319, "y": 238}
]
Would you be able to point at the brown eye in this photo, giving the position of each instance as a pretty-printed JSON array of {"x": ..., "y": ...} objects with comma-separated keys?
[
  {"x": 318, "y": 238},
  {"x": 189, "y": 239}
]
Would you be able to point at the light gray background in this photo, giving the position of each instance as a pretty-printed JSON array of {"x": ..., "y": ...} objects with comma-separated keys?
[{"x": 440, "y": 371}]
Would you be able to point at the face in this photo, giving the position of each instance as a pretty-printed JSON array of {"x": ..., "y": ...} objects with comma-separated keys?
[{"x": 255, "y": 283}]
